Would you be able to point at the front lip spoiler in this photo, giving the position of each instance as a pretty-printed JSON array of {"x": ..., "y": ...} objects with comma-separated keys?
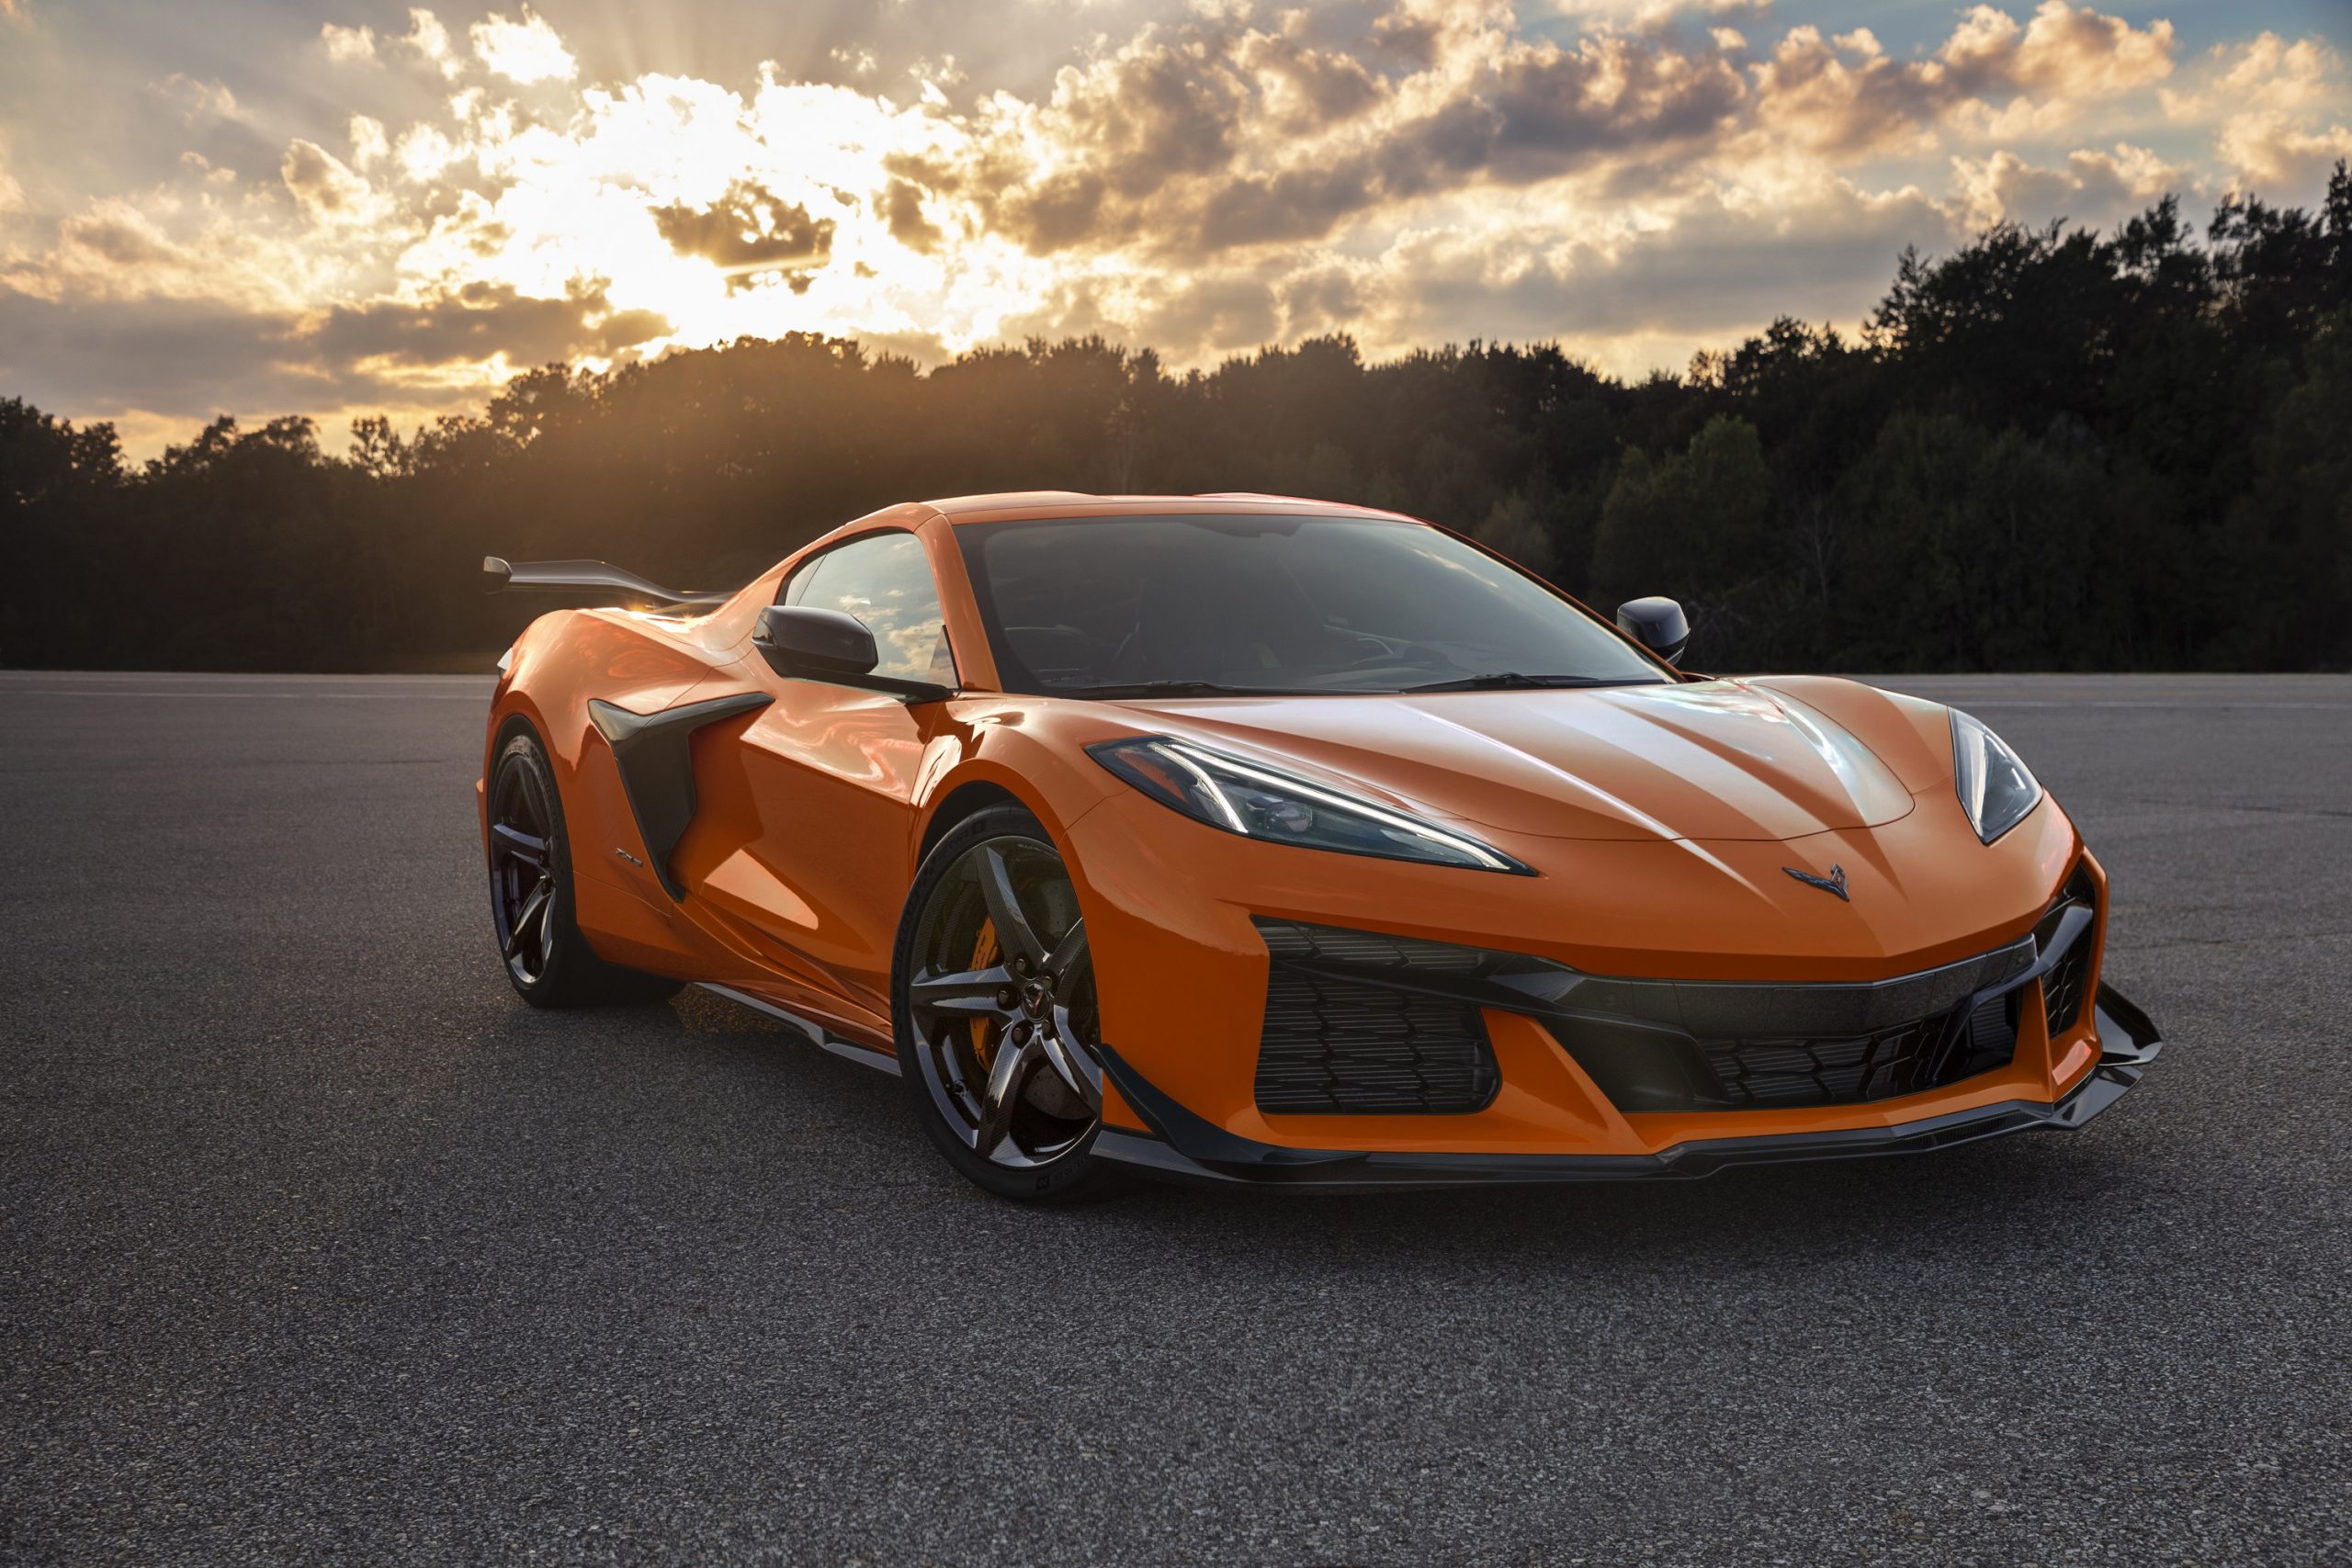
[{"x": 1185, "y": 1147}]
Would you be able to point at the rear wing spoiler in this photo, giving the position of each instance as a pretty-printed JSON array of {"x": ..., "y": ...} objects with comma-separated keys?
[{"x": 595, "y": 576}]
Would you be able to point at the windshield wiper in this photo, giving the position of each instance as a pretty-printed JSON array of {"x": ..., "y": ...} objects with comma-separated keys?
[
  {"x": 1512, "y": 680},
  {"x": 1174, "y": 689}
]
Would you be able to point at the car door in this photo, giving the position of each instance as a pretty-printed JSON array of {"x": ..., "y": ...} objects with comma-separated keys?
[{"x": 818, "y": 794}]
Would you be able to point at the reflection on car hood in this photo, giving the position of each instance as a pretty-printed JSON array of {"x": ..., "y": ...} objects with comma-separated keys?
[{"x": 1709, "y": 760}]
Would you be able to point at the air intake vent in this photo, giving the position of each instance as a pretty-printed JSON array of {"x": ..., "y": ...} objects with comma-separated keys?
[
  {"x": 1336, "y": 1040},
  {"x": 1767, "y": 1073},
  {"x": 2062, "y": 985}
]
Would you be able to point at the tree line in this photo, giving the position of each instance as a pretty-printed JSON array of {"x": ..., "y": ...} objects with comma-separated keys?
[{"x": 2052, "y": 450}]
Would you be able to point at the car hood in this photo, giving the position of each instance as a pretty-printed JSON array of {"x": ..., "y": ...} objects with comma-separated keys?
[{"x": 1721, "y": 760}]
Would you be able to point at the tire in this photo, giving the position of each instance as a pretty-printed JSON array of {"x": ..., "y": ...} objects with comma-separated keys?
[
  {"x": 992, "y": 999},
  {"x": 532, "y": 910}
]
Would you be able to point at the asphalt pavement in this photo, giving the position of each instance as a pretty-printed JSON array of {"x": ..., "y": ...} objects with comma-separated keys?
[{"x": 316, "y": 1243}]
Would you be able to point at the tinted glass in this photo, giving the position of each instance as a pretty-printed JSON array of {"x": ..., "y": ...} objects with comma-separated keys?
[
  {"x": 885, "y": 580},
  {"x": 1318, "y": 603}
]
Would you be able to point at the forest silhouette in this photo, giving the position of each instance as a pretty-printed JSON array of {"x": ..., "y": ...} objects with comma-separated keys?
[{"x": 2051, "y": 450}]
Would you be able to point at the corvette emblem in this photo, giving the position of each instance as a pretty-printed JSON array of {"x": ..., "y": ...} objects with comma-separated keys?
[{"x": 1833, "y": 883}]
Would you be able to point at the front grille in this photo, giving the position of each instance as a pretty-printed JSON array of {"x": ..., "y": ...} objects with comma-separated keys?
[
  {"x": 1332, "y": 1042},
  {"x": 1821, "y": 1072},
  {"x": 1928, "y": 1052},
  {"x": 1366, "y": 1021}
]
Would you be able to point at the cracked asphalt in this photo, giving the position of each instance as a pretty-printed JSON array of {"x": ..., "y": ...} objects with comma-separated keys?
[{"x": 315, "y": 1243}]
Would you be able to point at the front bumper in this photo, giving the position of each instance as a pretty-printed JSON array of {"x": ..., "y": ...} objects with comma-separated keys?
[{"x": 1183, "y": 1146}]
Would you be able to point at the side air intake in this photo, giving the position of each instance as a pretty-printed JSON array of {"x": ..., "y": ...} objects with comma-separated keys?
[{"x": 1337, "y": 1038}]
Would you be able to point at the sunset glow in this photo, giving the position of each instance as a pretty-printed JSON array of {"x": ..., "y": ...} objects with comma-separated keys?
[{"x": 394, "y": 209}]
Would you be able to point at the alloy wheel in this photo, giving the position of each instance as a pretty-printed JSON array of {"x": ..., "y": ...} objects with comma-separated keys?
[
  {"x": 522, "y": 873},
  {"x": 1001, "y": 993}
]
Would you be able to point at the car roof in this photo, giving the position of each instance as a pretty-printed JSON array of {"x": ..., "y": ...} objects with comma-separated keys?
[{"x": 1010, "y": 505}]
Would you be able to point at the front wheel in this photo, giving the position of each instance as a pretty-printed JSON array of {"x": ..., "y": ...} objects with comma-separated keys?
[
  {"x": 998, "y": 1033},
  {"x": 548, "y": 962}
]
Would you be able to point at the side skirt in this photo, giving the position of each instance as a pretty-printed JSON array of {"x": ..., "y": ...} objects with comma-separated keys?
[{"x": 864, "y": 1056}]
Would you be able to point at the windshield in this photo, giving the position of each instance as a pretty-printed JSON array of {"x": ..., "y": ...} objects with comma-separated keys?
[{"x": 1254, "y": 604}]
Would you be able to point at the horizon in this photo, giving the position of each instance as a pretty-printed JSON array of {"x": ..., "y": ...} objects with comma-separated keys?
[{"x": 363, "y": 209}]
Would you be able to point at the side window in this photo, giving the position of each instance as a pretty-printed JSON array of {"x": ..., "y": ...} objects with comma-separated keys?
[{"x": 885, "y": 580}]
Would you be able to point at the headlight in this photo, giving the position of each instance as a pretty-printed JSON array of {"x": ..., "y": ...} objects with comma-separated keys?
[
  {"x": 1241, "y": 796},
  {"x": 1997, "y": 789}
]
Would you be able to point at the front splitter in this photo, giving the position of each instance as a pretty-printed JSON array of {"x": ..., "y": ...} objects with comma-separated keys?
[{"x": 1185, "y": 1147}]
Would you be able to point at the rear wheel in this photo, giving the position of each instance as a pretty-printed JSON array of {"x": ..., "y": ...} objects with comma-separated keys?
[
  {"x": 548, "y": 962},
  {"x": 998, "y": 1028}
]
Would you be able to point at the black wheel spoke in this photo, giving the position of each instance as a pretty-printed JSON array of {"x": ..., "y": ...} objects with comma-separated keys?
[
  {"x": 1071, "y": 1063},
  {"x": 1013, "y": 932},
  {"x": 530, "y": 919},
  {"x": 516, "y": 844},
  {"x": 1007, "y": 1086},
  {"x": 968, "y": 994},
  {"x": 1068, "y": 954}
]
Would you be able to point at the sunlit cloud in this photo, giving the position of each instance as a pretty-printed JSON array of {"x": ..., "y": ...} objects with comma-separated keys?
[
  {"x": 428, "y": 38},
  {"x": 524, "y": 52},
  {"x": 348, "y": 45}
]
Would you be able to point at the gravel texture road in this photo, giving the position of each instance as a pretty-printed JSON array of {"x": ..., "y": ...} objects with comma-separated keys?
[{"x": 316, "y": 1242}]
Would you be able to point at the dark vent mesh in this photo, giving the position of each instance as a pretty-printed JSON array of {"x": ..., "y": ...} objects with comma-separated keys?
[
  {"x": 2064, "y": 983},
  {"x": 1990, "y": 1041},
  {"x": 1821, "y": 1072},
  {"x": 1333, "y": 1045},
  {"x": 2062, "y": 987}
]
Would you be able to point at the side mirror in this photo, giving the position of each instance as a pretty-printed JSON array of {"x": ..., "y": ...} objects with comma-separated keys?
[
  {"x": 820, "y": 645},
  {"x": 801, "y": 642},
  {"x": 1658, "y": 625}
]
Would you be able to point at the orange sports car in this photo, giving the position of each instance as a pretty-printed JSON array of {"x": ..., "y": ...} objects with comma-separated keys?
[{"x": 1244, "y": 839}]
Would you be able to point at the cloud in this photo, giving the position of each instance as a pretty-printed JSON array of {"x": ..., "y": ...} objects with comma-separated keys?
[
  {"x": 1725, "y": 265},
  {"x": 524, "y": 52},
  {"x": 159, "y": 361},
  {"x": 2094, "y": 189},
  {"x": 368, "y": 146},
  {"x": 2266, "y": 73},
  {"x": 428, "y": 38},
  {"x": 1643, "y": 16},
  {"x": 480, "y": 322},
  {"x": 1993, "y": 76},
  {"x": 748, "y": 231},
  {"x": 901, "y": 208},
  {"x": 327, "y": 188},
  {"x": 2063, "y": 51},
  {"x": 348, "y": 45},
  {"x": 1217, "y": 134},
  {"x": 2277, "y": 106},
  {"x": 2267, "y": 154},
  {"x": 425, "y": 150},
  {"x": 197, "y": 101}
]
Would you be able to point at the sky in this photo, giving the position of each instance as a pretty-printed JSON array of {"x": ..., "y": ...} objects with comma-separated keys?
[{"x": 263, "y": 207}]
